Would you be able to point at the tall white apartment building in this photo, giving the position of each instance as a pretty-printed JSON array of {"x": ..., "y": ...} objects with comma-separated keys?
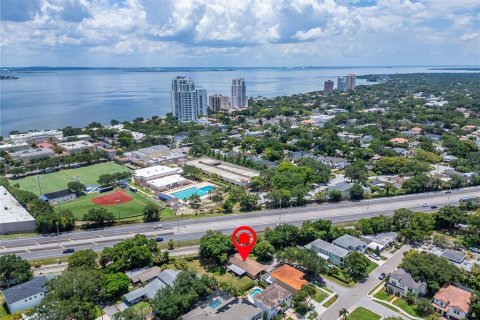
[
  {"x": 238, "y": 98},
  {"x": 188, "y": 102}
]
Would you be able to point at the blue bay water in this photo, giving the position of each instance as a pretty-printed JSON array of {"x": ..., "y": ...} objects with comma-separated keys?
[{"x": 55, "y": 99}]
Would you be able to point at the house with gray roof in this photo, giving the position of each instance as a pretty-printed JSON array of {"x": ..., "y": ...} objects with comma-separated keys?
[
  {"x": 380, "y": 241},
  {"x": 453, "y": 255},
  {"x": 350, "y": 243},
  {"x": 328, "y": 251},
  {"x": 273, "y": 300},
  {"x": 400, "y": 282},
  {"x": 26, "y": 295},
  {"x": 148, "y": 292}
]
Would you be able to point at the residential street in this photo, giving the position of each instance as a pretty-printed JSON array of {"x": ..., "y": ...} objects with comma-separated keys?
[{"x": 350, "y": 298}]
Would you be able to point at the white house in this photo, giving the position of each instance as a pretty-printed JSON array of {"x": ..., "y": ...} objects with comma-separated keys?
[
  {"x": 26, "y": 295},
  {"x": 452, "y": 302},
  {"x": 273, "y": 300},
  {"x": 400, "y": 282}
]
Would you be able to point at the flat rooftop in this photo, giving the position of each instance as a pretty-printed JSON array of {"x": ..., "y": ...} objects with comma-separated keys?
[
  {"x": 166, "y": 181},
  {"x": 11, "y": 210},
  {"x": 225, "y": 170},
  {"x": 155, "y": 171},
  {"x": 75, "y": 144}
]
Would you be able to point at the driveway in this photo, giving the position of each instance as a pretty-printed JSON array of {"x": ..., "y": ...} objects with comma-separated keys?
[{"x": 358, "y": 295}]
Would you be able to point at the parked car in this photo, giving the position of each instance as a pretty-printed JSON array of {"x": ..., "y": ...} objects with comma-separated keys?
[
  {"x": 448, "y": 192},
  {"x": 159, "y": 239},
  {"x": 68, "y": 250},
  {"x": 157, "y": 226},
  {"x": 433, "y": 207},
  {"x": 374, "y": 256},
  {"x": 425, "y": 205},
  {"x": 382, "y": 276}
]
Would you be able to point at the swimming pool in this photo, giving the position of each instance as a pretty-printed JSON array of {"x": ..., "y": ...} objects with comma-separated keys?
[
  {"x": 215, "y": 303},
  {"x": 184, "y": 194},
  {"x": 254, "y": 292}
]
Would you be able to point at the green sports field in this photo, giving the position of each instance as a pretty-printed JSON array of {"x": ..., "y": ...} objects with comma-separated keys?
[
  {"x": 133, "y": 208},
  {"x": 56, "y": 181}
]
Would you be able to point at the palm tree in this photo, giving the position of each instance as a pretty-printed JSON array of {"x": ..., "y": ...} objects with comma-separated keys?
[{"x": 343, "y": 313}]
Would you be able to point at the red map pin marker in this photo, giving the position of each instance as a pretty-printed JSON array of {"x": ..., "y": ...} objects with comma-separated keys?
[{"x": 244, "y": 239}]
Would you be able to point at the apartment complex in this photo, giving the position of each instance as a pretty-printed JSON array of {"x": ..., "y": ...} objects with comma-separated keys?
[
  {"x": 188, "y": 102},
  {"x": 239, "y": 94},
  {"x": 217, "y": 102},
  {"x": 328, "y": 86},
  {"x": 36, "y": 136}
]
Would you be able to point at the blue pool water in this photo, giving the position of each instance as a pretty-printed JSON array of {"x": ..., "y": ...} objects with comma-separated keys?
[
  {"x": 255, "y": 292},
  {"x": 215, "y": 303},
  {"x": 184, "y": 194}
]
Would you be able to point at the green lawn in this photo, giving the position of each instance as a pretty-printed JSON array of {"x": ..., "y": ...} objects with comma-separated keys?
[
  {"x": 372, "y": 266},
  {"x": 361, "y": 313},
  {"x": 319, "y": 295},
  {"x": 55, "y": 181},
  {"x": 330, "y": 301},
  {"x": 382, "y": 295},
  {"x": 82, "y": 204},
  {"x": 242, "y": 284}
]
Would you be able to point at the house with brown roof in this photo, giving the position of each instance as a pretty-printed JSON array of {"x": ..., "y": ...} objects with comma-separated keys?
[
  {"x": 289, "y": 278},
  {"x": 273, "y": 300},
  {"x": 399, "y": 140},
  {"x": 452, "y": 302},
  {"x": 250, "y": 267},
  {"x": 143, "y": 275}
]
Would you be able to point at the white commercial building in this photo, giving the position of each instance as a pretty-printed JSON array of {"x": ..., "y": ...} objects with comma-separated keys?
[
  {"x": 239, "y": 94},
  {"x": 229, "y": 172},
  {"x": 36, "y": 136},
  {"x": 75, "y": 147},
  {"x": 142, "y": 176},
  {"x": 13, "y": 217},
  {"x": 9, "y": 147},
  {"x": 187, "y": 101},
  {"x": 168, "y": 182}
]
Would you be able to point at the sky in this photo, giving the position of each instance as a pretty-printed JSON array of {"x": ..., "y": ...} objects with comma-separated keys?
[{"x": 240, "y": 33}]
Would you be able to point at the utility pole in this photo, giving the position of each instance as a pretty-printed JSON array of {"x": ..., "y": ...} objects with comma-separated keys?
[{"x": 39, "y": 186}]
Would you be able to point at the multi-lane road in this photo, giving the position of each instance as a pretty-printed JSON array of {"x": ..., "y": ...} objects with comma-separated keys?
[{"x": 39, "y": 247}]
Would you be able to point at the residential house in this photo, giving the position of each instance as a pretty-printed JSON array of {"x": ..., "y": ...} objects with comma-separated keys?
[
  {"x": 26, "y": 295},
  {"x": 58, "y": 196},
  {"x": 344, "y": 187},
  {"x": 399, "y": 140},
  {"x": 380, "y": 241},
  {"x": 250, "y": 267},
  {"x": 288, "y": 277},
  {"x": 350, "y": 243},
  {"x": 273, "y": 300},
  {"x": 400, "y": 282},
  {"x": 453, "y": 255},
  {"x": 220, "y": 306},
  {"x": 143, "y": 275},
  {"x": 334, "y": 162},
  {"x": 452, "y": 302},
  {"x": 328, "y": 251},
  {"x": 148, "y": 292}
]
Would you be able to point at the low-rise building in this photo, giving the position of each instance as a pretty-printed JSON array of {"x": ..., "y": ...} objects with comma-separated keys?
[
  {"x": 58, "y": 196},
  {"x": 452, "y": 302},
  {"x": 26, "y": 295},
  {"x": 36, "y": 136},
  {"x": 328, "y": 251},
  {"x": 273, "y": 300},
  {"x": 454, "y": 256},
  {"x": 250, "y": 267},
  {"x": 220, "y": 306},
  {"x": 380, "y": 241},
  {"x": 154, "y": 279},
  {"x": 143, "y": 176},
  {"x": 289, "y": 278},
  {"x": 400, "y": 282},
  {"x": 13, "y": 217},
  {"x": 10, "y": 147},
  {"x": 80, "y": 146},
  {"x": 155, "y": 155},
  {"x": 30, "y": 155},
  {"x": 334, "y": 162},
  {"x": 234, "y": 174},
  {"x": 350, "y": 243}
]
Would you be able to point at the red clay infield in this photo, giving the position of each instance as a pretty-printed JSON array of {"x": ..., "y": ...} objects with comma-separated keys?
[{"x": 117, "y": 197}]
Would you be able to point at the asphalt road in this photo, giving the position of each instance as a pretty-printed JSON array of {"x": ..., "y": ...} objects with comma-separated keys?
[{"x": 46, "y": 246}]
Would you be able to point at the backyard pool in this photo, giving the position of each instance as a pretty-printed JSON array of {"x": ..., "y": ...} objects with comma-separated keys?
[
  {"x": 254, "y": 292},
  {"x": 185, "y": 194},
  {"x": 215, "y": 303}
]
